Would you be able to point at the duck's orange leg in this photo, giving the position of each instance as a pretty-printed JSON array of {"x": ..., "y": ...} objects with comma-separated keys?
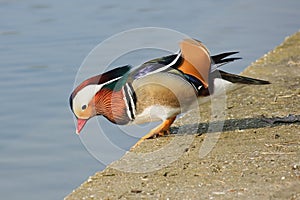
[{"x": 160, "y": 130}]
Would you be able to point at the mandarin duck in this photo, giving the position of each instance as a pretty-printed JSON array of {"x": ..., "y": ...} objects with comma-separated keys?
[{"x": 158, "y": 90}]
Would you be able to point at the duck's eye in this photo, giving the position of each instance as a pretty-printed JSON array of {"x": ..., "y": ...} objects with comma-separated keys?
[{"x": 83, "y": 107}]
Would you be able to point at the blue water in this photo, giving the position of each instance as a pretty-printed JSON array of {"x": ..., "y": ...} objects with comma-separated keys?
[{"x": 43, "y": 43}]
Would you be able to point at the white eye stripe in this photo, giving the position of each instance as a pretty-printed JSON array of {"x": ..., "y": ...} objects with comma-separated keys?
[{"x": 86, "y": 94}]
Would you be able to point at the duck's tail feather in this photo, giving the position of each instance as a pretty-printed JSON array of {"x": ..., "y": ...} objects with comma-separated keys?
[
  {"x": 233, "y": 78},
  {"x": 222, "y": 59}
]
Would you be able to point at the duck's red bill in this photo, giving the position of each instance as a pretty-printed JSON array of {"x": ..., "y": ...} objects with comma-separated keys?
[{"x": 80, "y": 125}]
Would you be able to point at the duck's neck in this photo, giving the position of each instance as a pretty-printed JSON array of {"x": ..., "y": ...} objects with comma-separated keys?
[{"x": 112, "y": 106}]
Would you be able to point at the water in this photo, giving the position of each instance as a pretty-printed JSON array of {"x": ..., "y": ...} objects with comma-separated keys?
[{"x": 42, "y": 44}]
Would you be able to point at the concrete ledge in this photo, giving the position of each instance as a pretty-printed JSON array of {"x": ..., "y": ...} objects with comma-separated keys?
[{"x": 256, "y": 157}]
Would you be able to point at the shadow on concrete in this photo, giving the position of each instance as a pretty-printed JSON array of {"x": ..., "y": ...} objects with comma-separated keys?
[{"x": 240, "y": 124}]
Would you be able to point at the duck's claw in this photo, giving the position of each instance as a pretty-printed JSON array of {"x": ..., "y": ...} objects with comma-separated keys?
[{"x": 161, "y": 130}]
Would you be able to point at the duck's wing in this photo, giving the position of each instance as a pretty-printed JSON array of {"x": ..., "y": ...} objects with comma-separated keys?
[
  {"x": 196, "y": 60},
  {"x": 162, "y": 64},
  {"x": 193, "y": 59}
]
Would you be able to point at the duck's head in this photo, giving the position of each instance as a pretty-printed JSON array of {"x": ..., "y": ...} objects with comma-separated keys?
[{"x": 93, "y": 96}]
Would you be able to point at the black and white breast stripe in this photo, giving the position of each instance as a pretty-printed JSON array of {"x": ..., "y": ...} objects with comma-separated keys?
[{"x": 130, "y": 100}]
